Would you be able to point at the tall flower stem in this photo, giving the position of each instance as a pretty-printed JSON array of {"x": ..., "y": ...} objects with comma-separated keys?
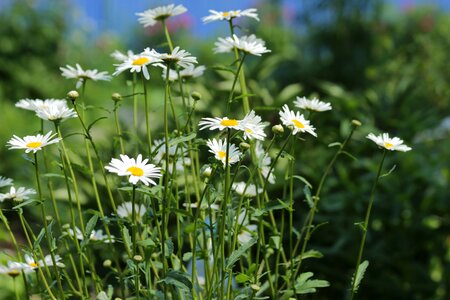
[
  {"x": 135, "y": 103},
  {"x": 233, "y": 86},
  {"x": 316, "y": 198},
  {"x": 366, "y": 223},
  {"x": 47, "y": 233},
  {"x": 147, "y": 120},
  {"x": 119, "y": 131}
]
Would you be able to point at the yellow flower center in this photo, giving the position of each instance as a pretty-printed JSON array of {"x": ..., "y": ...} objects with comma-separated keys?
[
  {"x": 388, "y": 145},
  {"x": 229, "y": 123},
  {"x": 33, "y": 264},
  {"x": 222, "y": 154},
  {"x": 248, "y": 130},
  {"x": 14, "y": 273},
  {"x": 225, "y": 14},
  {"x": 140, "y": 61},
  {"x": 34, "y": 145},
  {"x": 298, "y": 124},
  {"x": 135, "y": 171}
]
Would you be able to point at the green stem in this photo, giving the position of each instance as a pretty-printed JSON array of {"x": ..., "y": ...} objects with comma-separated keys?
[
  {"x": 233, "y": 86},
  {"x": 147, "y": 119},
  {"x": 119, "y": 132},
  {"x": 366, "y": 223}
]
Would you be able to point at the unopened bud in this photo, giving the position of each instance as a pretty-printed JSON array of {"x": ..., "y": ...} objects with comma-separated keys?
[
  {"x": 66, "y": 226},
  {"x": 73, "y": 95},
  {"x": 356, "y": 123},
  {"x": 107, "y": 263},
  {"x": 244, "y": 146},
  {"x": 116, "y": 97},
  {"x": 49, "y": 218},
  {"x": 278, "y": 129},
  {"x": 255, "y": 287},
  {"x": 196, "y": 96},
  {"x": 138, "y": 258},
  {"x": 207, "y": 172}
]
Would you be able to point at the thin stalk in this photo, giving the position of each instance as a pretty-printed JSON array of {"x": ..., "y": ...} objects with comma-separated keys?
[
  {"x": 233, "y": 86},
  {"x": 119, "y": 132},
  {"x": 147, "y": 120},
  {"x": 366, "y": 223}
]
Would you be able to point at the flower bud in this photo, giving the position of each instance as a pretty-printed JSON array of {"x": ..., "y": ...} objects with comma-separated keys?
[
  {"x": 73, "y": 95},
  {"x": 138, "y": 258},
  {"x": 196, "y": 96},
  {"x": 207, "y": 172},
  {"x": 244, "y": 146},
  {"x": 107, "y": 263},
  {"x": 278, "y": 129},
  {"x": 356, "y": 123},
  {"x": 116, "y": 97},
  {"x": 255, "y": 287}
]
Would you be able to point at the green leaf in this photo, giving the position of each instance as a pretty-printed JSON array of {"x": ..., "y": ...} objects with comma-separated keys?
[
  {"x": 187, "y": 256},
  {"x": 389, "y": 172},
  {"x": 51, "y": 175},
  {"x": 241, "y": 278},
  {"x": 302, "y": 179},
  {"x": 308, "y": 196},
  {"x": 356, "y": 279},
  {"x": 275, "y": 242},
  {"x": 39, "y": 238},
  {"x": 26, "y": 202},
  {"x": 90, "y": 226},
  {"x": 95, "y": 121},
  {"x": 303, "y": 284},
  {"x": 146, "y": 243},
  {"x": 182, "y": 139},
  {"x": 349, "y": 155},
  {"x": 312, "y": 254},
  {"x": 126, "y": 238},
  {"x": 178, "y": 279},
  {"x": 236, "y": 255},
  {"x": 335, "y": 144},
  {"x": 169, "y": 247}
]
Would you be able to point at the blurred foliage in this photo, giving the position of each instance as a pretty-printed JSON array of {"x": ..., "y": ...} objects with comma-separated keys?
[{"x": 385, "y": 67}]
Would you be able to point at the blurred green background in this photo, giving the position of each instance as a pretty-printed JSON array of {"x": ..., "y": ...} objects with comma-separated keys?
[{"x": 385, "y": 66}]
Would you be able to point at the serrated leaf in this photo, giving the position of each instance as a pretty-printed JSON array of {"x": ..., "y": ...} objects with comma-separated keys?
[
  {"x": 169, "y": 247},
  {"x": 356, "y": 280},
  {"x": 241, "y": 278},
  {"x": 126, "y": 238},
  {"x": 178, "y": 279},
  {"x": 236, "y": 255},
  {"x": 305, "y": 285}
]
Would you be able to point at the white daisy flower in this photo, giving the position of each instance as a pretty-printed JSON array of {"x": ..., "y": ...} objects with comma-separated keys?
[
  {"x": 179, "y": 57},
  {"x": 384, "y": 141},
  {"x": 122, "y": 57},
  {"x": 203, "y": 206},
  {"x": 5, "y": 181},
  {"x": 35, "y": 104},
  {"x": 219, "y": 149},
  {"x": 125, "y": 211},
  {"x": 252, "y": 126},
  {"x": 264, "y": 162},
  {"x": 247, "y": 190},
  {"x": 247, "y": 231},
  {"x": 47, "y": 259},
  {"x": 296, "y": 120},
  {"x": 248, "y": 44},
  {"x": 82, "y": 75},
  {"x": 57, "y": 111},
  {"x": 139, "y": 62},
  {"x": 151, "y": 16},
  {"x": 137, "y": 169},
  {"x": 219, "y": 123},
  {"x": 231, "y": 14},
  {"x": 187, "y": 73},
  {"x": 179, "y": 154},
  {"x": 32, "y": 142},
  {"x": 313, "y": 104},
  {"x": 14, "y": 269},
  {"x": 17, "y": 195}
]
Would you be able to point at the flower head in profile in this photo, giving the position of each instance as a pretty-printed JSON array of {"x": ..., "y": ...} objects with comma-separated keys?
[
  {"x": 35, "y": 104},
  {"x": 32, "y": 263},
  {"x": 82, "y": 76},
  {"x": 246, "y": 231},
  {"x": 17, "y": 195},
  {"x": 139, "y": 62},
  {"x": 122, "y": 57},
  {"x": 248, "y": 44},
  {"x": 95, "y": 235},
  {"x": 14, "y": 269},
  {"x": 264, "y": 163},
  {"x": 151, "y": 16},
  {"x": 186, "y": 73},
  {"x": 219, "y": 123},
  {"x": 137, "y": 169},
  {"x": 56, "y": 112},
  {"x": 177, "y": 154},
  {"x": 314, "y": 104},
  {"x": 32, "y": 142},
  {"x": 246, "y": 190},
  {"x": 178, "y": 57},
  {"x": 125, "y": 211},
  {"x": 386, "y": 142},
  {"x": 252, "y": 126},
  {"x": 296, "y": 121},
  {"x": 5, "y": 181},
  {"x": 219, "y": 149},
  {"x": 229, "y": 15}
]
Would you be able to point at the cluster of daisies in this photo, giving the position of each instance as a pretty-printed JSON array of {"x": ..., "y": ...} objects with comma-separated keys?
[{"x": 14, "y": 268}]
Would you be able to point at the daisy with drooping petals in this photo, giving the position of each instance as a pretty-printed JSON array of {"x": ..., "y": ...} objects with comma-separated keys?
[
  {"x": 139, "y": 63},
  {"x": 219, "y": 149},
  {"x": 137, "y": 169},
  {"x": 219, "y": 123},
  {"x": 122, "y": 57},
  {"x": 187, "y": 73},
  {"x": 32, "y": 142},
  {"x": 125, "y": 211},
  {"x": 247, "y": 44},
  {"x": 17, "y": 195},
  {"x": 56, "y": 112},
  {"x": 47, "y": 259},
  {"x": 246, "y": 190},
  {"x": 35, "y": 104},
  {"x": 178, "y": 57},
  {"x": 231, "y": 14},
  {"x": 264, "y": 162},
  {"x": 5, "y": 181},
  {"x": 95, "y": 235},
  {"x": 82, "y": 75},
  {"x": 392, "y": 144},
  {"x": 246, "y": 231},
  {"x": 313, "y": 104},
  {"x": 296, "y": 120},
  {"x": 14, "y": 269},
  {"x": 252, "y": 126},
  {"x": 151, "y": 16}
]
